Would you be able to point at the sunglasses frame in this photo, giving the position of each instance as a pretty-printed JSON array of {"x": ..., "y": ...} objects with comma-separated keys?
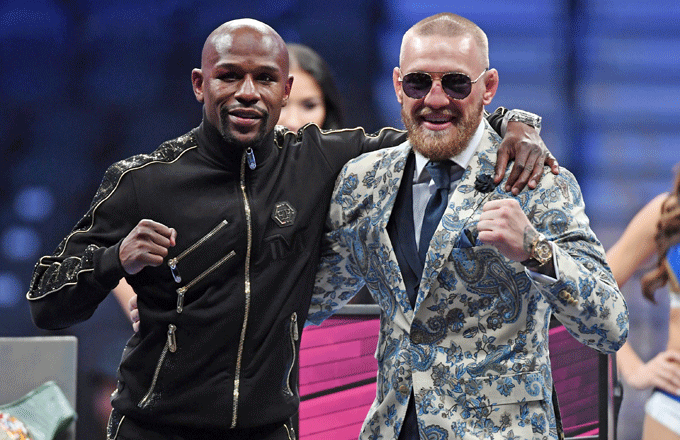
[{"x": 441, "y": 76}]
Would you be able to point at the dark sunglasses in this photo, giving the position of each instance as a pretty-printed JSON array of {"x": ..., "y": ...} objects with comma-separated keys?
[{"x": 417, "y": 85}]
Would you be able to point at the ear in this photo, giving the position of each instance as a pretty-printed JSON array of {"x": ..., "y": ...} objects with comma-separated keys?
[
  {"x": 491, "y": 86},
  {"x": 397, "y": 85},
  {"x": 286, "y": 91},
  {"x": 197, "y": 84}
]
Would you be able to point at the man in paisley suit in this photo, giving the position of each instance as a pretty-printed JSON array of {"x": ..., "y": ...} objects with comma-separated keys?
[{"x": 463, "y": 347}]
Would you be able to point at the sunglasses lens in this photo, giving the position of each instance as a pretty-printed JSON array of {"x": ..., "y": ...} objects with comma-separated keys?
[
  {"x": 456, "y": 85},
  {"x": 416, "y": 85}
]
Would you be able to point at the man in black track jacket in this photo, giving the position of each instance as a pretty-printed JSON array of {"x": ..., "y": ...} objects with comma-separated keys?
[{"x": 218, "y": 232}]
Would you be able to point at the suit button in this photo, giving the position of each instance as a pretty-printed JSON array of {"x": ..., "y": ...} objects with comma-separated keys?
[
  {"x": 417, "y": 338},
  {"x": 403, "y": 389},
  {"x": 564, "y": 295}
]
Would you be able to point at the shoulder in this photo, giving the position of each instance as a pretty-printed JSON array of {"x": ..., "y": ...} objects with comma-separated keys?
[
  {"x": 167, "y": 152},
  {"x": 385, "y": 158}
]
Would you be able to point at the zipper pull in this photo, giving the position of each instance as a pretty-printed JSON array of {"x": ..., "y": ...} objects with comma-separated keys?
[
  {"x": 172, "y": 340},
  {"x": 250, "y": 154},
  {"x": 180, "y": 299},
  {"x": 293, "y": 319},
  {"x": 173, "y": 270}
]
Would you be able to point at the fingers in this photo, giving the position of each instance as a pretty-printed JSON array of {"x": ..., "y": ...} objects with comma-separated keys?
[
  {"x": 530, "y": 153},
  {"x": 134, "y": 313},
  {"x": 529, "y": 166},
  {"x": 663, "y": 371},
  {"x": 132, "y": 303},
  {"x": 552, "y": 163},
  {"x": 146, "y": 245},
  {"x": 501, "y": 164},
  {"x": 157, "y": 232},
  {"x": 670, "y": 371},
  {"x": 518, "y": 168}
]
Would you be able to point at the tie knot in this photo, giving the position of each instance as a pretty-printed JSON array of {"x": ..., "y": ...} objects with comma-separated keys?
[{"x": 440, "y": 173}]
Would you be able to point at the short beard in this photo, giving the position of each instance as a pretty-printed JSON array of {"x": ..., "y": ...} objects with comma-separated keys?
[
  {"x": 441, "y": 145},
  {"x": 227, "y": 135}
]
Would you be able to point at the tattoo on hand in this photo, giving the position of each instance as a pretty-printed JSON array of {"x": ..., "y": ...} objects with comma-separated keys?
[{"x": 529, "y": 236}]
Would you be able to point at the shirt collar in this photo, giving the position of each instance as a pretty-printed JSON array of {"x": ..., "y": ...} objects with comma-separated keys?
[{"x": 463, "y": 158}]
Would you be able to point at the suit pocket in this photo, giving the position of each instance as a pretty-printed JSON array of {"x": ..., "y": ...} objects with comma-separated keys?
[{"x": 503, "y": 390}]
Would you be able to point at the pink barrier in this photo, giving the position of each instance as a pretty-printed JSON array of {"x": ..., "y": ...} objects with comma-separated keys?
[{"x": 337, "y": 379}]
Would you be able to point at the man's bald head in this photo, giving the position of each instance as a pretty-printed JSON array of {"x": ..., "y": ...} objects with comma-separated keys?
[
  {"x": 447, "y": 24},
  {"x": 222, "y": 38}
]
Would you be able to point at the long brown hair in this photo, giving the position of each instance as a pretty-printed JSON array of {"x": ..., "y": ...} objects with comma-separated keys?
[{"x": 667, "y": 235}]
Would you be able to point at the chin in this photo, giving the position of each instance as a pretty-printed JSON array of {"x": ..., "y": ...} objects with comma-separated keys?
[{"x": 437, "y": 145}]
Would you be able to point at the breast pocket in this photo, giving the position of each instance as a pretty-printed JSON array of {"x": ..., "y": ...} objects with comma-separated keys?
[{"x": 213, "y": 253}]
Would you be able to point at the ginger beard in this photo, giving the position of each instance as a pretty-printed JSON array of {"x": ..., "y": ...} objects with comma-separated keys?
[{"x": 441, "y": 144}]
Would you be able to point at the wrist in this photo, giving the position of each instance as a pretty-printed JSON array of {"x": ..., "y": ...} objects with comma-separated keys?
[
  {"x": 526, "y": 118},
  {"x": 540, "y": 253}
]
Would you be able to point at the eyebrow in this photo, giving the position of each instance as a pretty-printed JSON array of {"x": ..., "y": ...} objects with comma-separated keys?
[{"x": 236, "y": 66}]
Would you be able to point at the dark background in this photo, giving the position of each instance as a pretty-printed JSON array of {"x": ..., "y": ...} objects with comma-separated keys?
[{"x": 85, "y": 83}]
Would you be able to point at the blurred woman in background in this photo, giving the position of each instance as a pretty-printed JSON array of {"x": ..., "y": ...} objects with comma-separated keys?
[
  {"x": 314, "y": 97},
  {"x": 654, "y": 229}
]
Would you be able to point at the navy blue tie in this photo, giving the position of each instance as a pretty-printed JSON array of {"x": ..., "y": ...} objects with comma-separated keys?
[{"x": 440, "y": 173}]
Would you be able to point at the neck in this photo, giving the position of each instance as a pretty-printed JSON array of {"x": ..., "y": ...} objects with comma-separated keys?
[{"x": 230, "y": 153}]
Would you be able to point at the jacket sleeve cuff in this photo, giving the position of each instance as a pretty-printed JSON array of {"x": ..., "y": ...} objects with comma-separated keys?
[
  {"x": 108, "y": 269},
  {"x": 495, "y": 119}
]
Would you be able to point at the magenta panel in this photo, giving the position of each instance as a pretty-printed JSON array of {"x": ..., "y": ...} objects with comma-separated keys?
[{"x": 337, "y": 366}]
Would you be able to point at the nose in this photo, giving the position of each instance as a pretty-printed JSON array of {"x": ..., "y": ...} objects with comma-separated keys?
[
  {"x": 247, "y": 91},
  {"x": 436, "y": 97}
]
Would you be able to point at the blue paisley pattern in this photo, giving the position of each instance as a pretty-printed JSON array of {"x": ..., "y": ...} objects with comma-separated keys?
[{"x": 474, "y": 349}]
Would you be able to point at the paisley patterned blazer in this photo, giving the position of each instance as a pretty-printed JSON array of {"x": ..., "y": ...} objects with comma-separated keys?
[{"x": 474, "y": 350}]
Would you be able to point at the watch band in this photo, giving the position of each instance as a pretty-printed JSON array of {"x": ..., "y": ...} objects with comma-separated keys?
[{"x": 528, "y": 118}]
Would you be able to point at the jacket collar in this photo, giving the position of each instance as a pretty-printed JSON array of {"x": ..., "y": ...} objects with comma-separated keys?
[{"x": 228, "y": 154}]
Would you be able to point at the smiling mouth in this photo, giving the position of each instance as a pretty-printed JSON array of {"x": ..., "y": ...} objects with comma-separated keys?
[
  {"x": 437, "y": 118},
  {"x": 244, "y": 118},
  {"x": 437, "y": 122},
  {"x": 246, "y": 114}
]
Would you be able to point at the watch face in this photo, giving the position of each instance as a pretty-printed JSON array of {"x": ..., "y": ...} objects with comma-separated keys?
[{"x": 543, "y": 251}]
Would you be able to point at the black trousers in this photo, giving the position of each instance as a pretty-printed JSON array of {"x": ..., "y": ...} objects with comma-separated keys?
[
  {"x": 409, "y": 429},
  {"x": 124, "y": 428}
]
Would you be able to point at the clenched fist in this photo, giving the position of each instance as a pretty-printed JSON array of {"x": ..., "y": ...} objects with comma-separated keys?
[{"x": 146, "y": 245}]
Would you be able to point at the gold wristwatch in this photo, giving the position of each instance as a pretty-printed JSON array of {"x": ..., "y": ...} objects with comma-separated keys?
[{"x": 540, "y": 253}]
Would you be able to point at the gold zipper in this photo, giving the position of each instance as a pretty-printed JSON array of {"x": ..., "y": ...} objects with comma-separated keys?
[
  {"x": 182, "y": 290},
  {"x": 173, "y": 261},
  {"x": 290, "y": 431},
  {"x": 249, "y": 236},
  {"x": 294, "y": 335},
  {"x": 170, "y": 345}
]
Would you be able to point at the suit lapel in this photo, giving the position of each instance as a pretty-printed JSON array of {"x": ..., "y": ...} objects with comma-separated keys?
[
  {"x": 389, "y": 177},
  {"x": 464, "y": 204}
]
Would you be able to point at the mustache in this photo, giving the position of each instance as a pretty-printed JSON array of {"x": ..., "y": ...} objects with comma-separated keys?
[{"x": 426, "y": 111}]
